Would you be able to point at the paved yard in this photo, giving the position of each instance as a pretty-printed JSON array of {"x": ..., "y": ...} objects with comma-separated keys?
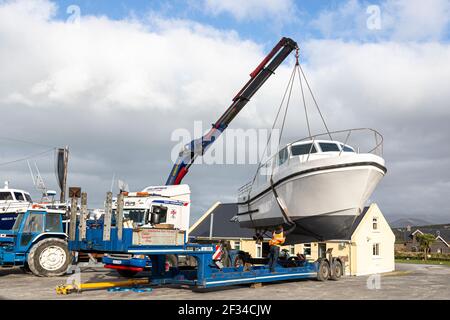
[{"x": 408, "y": 282}]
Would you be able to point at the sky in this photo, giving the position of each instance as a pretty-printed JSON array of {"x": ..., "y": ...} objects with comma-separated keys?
[{"x": 114, "y": 80}]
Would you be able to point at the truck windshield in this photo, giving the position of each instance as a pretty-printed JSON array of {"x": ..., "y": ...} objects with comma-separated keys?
[
  {"x": 18, "y": 222},
  {"x": 136, "y": 215}
]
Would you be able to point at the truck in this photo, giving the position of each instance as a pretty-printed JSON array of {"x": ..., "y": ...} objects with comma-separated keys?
[{"x": 37, "y": 243}]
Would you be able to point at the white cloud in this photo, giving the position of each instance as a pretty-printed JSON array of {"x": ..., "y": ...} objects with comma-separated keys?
[
  {"x": 115, "y": 90},
  {"x": 403, "y": 20},
  {"x": 252, "y": 9}
]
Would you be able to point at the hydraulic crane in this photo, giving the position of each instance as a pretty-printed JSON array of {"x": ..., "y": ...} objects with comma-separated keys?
[
  {"x": 142, "y": 247},
  {"x": 199, "y": 146}
]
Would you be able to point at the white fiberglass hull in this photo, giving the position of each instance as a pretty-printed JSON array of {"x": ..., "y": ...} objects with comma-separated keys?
[{"x": 323, "y": 197}]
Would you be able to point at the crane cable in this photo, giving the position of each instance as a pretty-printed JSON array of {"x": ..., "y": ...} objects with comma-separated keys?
[{"x": 297, "y": 68}]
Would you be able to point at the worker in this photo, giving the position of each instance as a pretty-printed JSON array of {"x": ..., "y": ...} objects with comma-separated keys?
[{"x": 275, "y": 243}]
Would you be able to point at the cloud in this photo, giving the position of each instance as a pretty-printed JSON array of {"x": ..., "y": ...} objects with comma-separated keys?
[
  {"x": 251, "y": 10},
  {"x": 399, "y": 20},
  {"x": 114, "y": 91}
]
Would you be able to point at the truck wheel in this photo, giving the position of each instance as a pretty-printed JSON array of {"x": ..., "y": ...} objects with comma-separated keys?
[
  {"x": 337, "y": 270},
  {"x": 323, "y": 271},
  {"x": 127, "y": 273},
  {"x": 49, "y": 258}
]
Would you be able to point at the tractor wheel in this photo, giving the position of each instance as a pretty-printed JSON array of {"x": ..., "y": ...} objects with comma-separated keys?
[
  {"x": 324, "y": 270},
  {"x": 127, "y": 273},
  {"x": 337, "y": 270},
  {"x": 49, "y": 258}
]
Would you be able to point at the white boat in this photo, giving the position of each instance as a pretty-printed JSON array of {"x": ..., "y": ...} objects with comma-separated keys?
[
  {"x": 12, "y": 202},
  {"x": 314, "y": 187}
]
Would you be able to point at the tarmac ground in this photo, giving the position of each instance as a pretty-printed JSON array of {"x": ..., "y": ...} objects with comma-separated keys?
[{"x": 409, "y": 281}]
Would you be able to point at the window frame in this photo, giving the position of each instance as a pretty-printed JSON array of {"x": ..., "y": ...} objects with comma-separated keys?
[{"x": 376, "y": 250}]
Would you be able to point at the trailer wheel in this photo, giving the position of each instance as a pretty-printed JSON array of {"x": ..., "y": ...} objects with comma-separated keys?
[
  {"x": 337, "y": 270},
  {"x": 49, "y": 258},
  {"x": 238, "y": 261},
  {"x": 127, "y": 273},
  {"x": 324, "y": 270}
]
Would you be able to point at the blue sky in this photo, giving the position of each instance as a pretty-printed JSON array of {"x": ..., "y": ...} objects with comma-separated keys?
[{"x": 299, "y": 24}]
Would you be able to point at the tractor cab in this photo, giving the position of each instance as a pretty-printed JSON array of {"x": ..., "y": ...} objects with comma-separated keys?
[{"x": 36, "y": 242}]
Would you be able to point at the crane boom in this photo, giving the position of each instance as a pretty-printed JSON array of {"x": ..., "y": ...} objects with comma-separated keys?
[{"x": 199, "y": 146}]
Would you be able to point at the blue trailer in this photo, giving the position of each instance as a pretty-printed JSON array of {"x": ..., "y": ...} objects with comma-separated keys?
[{"x": 131, "y": 250}]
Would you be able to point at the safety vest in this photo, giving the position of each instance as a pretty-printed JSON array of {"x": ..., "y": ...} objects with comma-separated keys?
[{"x": 277, "y": 239}]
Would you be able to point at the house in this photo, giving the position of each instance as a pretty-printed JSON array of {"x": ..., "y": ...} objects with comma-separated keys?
[
  {"x": 369, "y": 248},
  {"x": 406, "y": 238}
]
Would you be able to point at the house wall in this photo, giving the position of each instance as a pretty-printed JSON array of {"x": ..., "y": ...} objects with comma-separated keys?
[{"x": 365, "y": 237}]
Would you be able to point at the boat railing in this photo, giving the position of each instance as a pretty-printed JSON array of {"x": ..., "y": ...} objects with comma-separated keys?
[
  {"x": 264, "y": 171},
  {"x": 376, "y": 148}
]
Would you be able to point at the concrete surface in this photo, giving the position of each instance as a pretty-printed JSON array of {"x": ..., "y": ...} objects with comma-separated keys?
[{"x": 409, "y": 281}]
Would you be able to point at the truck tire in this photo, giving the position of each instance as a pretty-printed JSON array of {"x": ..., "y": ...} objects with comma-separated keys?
[
  {"x": 323, "y": 272},
  {"x": 337, "y": 270},
  {"x": 127, "y": 273},
  {"x": 49, "y": 258}
]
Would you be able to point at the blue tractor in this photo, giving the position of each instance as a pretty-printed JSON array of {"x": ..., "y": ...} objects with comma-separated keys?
[{"x": 37, "y": 243}]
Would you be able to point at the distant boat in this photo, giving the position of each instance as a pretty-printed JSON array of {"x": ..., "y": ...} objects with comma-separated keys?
[
  {"x": 12, "y": 202},
  {"x": 314, "y": 187}
]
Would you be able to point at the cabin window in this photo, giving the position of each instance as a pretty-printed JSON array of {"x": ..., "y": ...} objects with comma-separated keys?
[
  {"x": 19, "y": 196},
  {"x": 376, "y": 249},
  {"x": 307, "y": 249},
  {"x": 300, "y": 149},
  {"x": 52, "y": 223},
  {"x": 346, "y": 148},
  {"x": 236, "y": 245},
  {"x": 35, "y": 223},
  {"x": 328, "y": 147},
  {"x": 6, "y": 196},
  {"x": 292, "y": 250},
  {"x": 27, "y": 196},
  {"x": 282, "y": 156},
  {"x": 375, "y": 223}
]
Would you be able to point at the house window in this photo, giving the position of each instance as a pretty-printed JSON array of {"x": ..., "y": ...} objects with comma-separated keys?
[
  {"x": 258, "y": 250},
  {"x": 307, "y": 249},
  {"x": 292, "y": 250},
  {"x": 375, "y": 223},
  {"x": 236, "y": 245},
  {"x": 376, "y": 249}
]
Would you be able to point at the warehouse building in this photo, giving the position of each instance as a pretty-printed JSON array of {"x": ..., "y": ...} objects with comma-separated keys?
[{"x": 369, "y": 248}]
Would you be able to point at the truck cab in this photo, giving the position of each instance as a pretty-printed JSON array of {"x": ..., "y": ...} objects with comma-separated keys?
[{"x": 157, "y": 205}]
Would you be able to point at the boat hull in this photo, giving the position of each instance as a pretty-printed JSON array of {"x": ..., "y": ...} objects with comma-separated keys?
[{"x": 322, "y": 202}]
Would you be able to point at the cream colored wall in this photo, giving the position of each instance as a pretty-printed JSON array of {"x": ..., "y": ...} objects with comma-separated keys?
[
  {"x": 363, "y": 261},
  {"x": 249, "y": 246}
]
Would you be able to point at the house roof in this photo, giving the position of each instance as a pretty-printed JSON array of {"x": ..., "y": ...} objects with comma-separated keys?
[
  {"x": 442, "y": 231},
  {"x": 222, "y": 226}
]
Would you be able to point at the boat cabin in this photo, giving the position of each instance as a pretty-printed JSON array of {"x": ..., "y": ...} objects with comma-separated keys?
[
  {"x": 309, "y": 150},
  {"x": 14, "y": 195}
]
